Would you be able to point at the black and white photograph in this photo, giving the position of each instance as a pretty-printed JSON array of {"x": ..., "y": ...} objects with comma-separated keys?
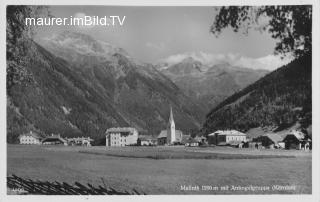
[{"x": 160, "y": 100}]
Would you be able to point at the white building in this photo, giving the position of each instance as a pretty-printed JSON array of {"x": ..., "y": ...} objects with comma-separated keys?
[
  {"x": 30, "y": 138},
  {"x": 227, "y": 137},
  {"x": 121, "y": 136}
]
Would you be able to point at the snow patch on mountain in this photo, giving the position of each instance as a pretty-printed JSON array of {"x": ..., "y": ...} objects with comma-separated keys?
[{"x": 269, "y": 62}]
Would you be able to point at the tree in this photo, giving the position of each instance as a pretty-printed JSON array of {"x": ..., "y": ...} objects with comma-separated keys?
[
  {"x": 19, "y": 36},
  {"x": 291, "y": 25}
]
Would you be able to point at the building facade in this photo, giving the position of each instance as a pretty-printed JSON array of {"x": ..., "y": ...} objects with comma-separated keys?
[
  {"x": 30, "y": 138},
  {"x": 227, "y": 137},
  {"x": 121, "y": 137}
]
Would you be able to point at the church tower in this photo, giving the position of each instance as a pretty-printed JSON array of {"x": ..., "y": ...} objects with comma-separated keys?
[{"x": 171, "y": 129}]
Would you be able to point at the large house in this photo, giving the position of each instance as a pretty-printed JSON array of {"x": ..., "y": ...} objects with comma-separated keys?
[
  {"x": 121, "y": 136},
  {"x": 170, "y": 136},
  {"x": 54, "y": 140},
  {"x": 30, "y": 138},
  {"x": 227, "y": 137}
]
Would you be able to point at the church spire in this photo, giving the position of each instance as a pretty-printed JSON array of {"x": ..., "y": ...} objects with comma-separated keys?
[
  {"x": 171, "y": 129},
  {"x": 171, "y": 116}
]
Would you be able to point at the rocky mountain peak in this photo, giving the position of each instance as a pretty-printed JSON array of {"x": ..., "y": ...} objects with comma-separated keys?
[{"x": 74, "y": 46}]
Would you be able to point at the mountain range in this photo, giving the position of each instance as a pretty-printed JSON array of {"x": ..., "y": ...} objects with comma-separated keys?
[
  {"x": 209, "y": 85},
  {"x": 80, "y": 87}
]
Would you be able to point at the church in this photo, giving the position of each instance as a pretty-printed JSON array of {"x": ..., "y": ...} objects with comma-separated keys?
[{"x": 170, "y": 136}]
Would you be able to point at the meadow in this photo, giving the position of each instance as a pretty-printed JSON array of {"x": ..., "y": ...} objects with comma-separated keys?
[{"x": 166, "y": 170}]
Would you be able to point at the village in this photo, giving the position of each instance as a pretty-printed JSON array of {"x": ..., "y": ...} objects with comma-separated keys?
[{"x": 129, "y": 136}]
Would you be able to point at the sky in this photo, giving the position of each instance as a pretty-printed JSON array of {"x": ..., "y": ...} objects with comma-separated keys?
[{"x": 153, "y": 34}]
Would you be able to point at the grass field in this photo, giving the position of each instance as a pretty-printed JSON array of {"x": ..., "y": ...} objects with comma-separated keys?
[{"x": 164, "y": 170}]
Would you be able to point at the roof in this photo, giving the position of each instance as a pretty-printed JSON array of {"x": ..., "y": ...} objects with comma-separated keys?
[
  {"x": 298, "y": 134},
  {"x": 124, "y": 129},
  {"x": 163, "y": 133},
  {"x": 228, "y": 132},
  {"x": 274, "y": 137},
  {"x": 216, "y": 132},
  {"x": 146, "y": 138},
  {"x": 54, "y": 137},
  {"x": 31, "y": 133}
]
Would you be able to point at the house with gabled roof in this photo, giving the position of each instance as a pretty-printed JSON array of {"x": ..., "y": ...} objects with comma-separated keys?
[
  {"x": 296, "y": 140},
  {"x": 270, "y": 140},
  {"x": 54, "y": 140},
  {"x": 30, "y": 138}
]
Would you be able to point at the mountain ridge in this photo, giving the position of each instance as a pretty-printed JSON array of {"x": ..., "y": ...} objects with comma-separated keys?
[
  {"x": 209, "y": 85},
  {"x": 280, "y": 99},
  {"x": 76, "y": 99}
]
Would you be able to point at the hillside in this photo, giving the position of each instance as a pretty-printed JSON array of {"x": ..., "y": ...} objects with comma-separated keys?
[
  {"x": 209, "y": 85},
  {"x": 83, "y": 97},
  {"x": 281, "y": 99}
]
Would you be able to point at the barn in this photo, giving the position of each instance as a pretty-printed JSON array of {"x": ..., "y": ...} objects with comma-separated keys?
[
  {"x": 54, "y": 140},
  {"x": 270, "y": 140},
  {"x": 296, "y": 140}
]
